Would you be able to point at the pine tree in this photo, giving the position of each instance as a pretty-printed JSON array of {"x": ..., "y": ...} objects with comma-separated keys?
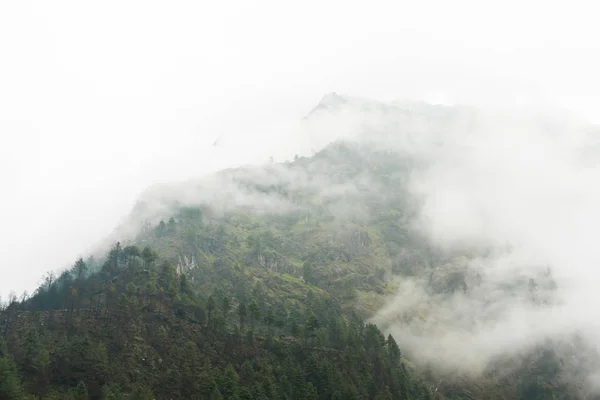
[
  {"x": 10, "y": 385},
  {"x": 110, "y": 392},
  {"x": 242, "y": 314},
  {"x": 142, "y": 392},
  {"x": 216, "y": 394},
  {"x": 393, "y": 350},
  {"x": 269, "y": 319},
  {"x": 226, "y": 305},
  {"x": 310, "y": 327},
  {"x": 80, "y": 269},
  {"x": 311, "y": 392},
  {"x": 210, "y": 306},
  {"x": 81, "y": 391},
  {"x": 228, "y": 381},
  {"x": 254, "y": 312}
]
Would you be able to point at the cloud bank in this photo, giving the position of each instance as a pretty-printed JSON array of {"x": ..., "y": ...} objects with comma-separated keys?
[{"x": 516, "y": 193}]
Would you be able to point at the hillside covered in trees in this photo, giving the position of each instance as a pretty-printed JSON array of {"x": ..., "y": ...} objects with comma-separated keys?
[
  {"x": 137, "y": 329},
  {"x": 259, "y": 283}
]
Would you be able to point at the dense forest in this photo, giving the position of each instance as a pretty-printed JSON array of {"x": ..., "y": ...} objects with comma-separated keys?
[
  {"x": 212, "y": 301},
  {"x": 136, "y": 329}
]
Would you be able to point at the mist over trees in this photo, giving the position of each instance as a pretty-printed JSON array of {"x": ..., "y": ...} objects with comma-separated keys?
[{"x": 383, "y": 266}]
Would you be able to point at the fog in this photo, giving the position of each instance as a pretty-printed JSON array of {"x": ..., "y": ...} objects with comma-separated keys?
[
  {"x": 506, "y": 194},
  {"x": 100, "y": 102},
  {"x": 516, "y": 194}
]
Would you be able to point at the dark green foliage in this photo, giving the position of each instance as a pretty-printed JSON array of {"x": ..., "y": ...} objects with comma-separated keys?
[
  {"x": 140, "y": 348},
  {"x": 80, "y": 392},
  {"x": 10, "y": 384},
  {"x": 238, "y": 306},
  {"x": 254, "y": 311}
]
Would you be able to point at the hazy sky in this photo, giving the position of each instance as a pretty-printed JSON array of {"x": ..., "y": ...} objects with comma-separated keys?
[{"x": 100, "y": 99}]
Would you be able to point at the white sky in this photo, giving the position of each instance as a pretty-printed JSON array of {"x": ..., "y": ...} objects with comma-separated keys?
[{"x": 100, "y": 99}]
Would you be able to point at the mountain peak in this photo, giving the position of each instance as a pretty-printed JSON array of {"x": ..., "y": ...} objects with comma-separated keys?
[
  {"x": 331, "y": 99},
  {"x": 328, "y": 101}
]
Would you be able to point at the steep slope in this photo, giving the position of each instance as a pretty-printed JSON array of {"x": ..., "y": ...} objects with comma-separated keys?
[
  {"x": 138, "y": 329},
  {"x": 342, "y": 224},
  {"x": 288, "y": 277},
  {"x": 338, "y": 220},
  {"x": 293, "y": 257}
]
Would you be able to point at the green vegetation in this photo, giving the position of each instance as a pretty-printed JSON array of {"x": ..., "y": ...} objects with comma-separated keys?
[
  {"x": 137, "y": 329},
  {"x": 233, "y": 303}
]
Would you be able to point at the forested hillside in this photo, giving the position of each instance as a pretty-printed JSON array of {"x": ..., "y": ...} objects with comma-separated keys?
[{"x": 256, "y": 284}]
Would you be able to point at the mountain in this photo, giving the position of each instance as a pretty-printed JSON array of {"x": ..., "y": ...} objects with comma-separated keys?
[{"x": 307, "y": 279}]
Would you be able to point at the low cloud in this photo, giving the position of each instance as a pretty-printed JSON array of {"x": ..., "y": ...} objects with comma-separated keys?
[
  {"x": 516, "y": 193},
  {"x": 508, "y": 200}
]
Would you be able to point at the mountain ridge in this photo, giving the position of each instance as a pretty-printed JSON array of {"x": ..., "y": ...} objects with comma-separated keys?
[{"x": 337, "y": 235}]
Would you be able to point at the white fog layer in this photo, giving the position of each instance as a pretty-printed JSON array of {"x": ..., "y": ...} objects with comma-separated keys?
[{"x": 509, "y": 196}]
